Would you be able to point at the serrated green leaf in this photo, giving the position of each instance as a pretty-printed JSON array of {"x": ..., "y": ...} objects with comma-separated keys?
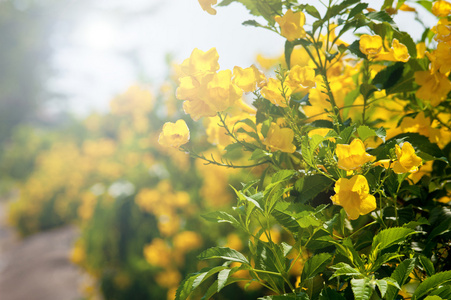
[
  {"x": 361, "y": 289},
  {"x": 315, "y": 265},
  {"x": 282, "y": 175},
  {"x": 346, "y": 134},
  {"x": 193, "y": 280},
  {"x": 224, "y": 253},
  {"x": 343, "y": 269},
  {"x": 382, "y": 285},
  {"x": 431, "y": 283},
  {"x": 389, "y": 237},
  {"x": 400, "y": 275},
  {"x": 427, "y": 265},
  {"x": 365, "y": 132},
  {"x": 310, "y": 186},
  {"x": 221, "y": 216}
]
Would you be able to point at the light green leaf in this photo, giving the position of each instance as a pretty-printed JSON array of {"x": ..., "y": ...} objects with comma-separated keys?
[
  {"x": 343, "y": 269},
  {"x": 382, "y": 285},
  {"x": 221, "y": 216},
  {"x": 223, "y": 276},
  {"x": 365, "y": 132},
  {"x": 224, "y": 253},
  {"x": 361, "y": 288},
  {"x": 389, "y": 237},
  {"x": 194, "y": 280},
  {"x": 433, "y": 298},
  {"x": 315, "y": 265}
]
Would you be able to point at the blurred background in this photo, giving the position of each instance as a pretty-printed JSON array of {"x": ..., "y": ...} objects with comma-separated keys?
[{"x": 85, "y": 87}]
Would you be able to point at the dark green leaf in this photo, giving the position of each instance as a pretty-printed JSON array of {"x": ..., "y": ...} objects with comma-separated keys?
[
  {"x": 310, "y": 186},
  {"x": 315, "y": 265},
  {"x": 400, "y": 275},
  {"x": 431, "y": 283},
  {"x": 329, "y": 294},
  {"x": 194, "y": 280},
  {"x": 427, "y": 264}
]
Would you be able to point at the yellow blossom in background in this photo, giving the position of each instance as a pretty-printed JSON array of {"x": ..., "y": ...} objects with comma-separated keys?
[
  {"x": 422, "y": 125},
  {"x": 200, "y": 62},
  {"x": 407, "y": 161},
  {"x": 434, "y": 86},
  {"x": 280, "y": 139},
  {"x": 353, "y": 195},
  {"x": 248, "y": 79},
  {"x": 405, "y": 7},
  {"x": 168, "y": 278},
  {"x": 301, "y": 77},
  {"x": 186, "y": 241},
  {"x": 352, "y": 156},
  {"x": 441, "y": 9},
  {"x": 291, "y": 25},
  {"x": 174, "y": 134},
  {"x": 234, "y": 242},
  {"x": 158, "y": 253},
  {"x": 443, "y": 57},
  {"x": 206, "y": 6},
  {"x": 136, "y": 100},
  {"x": 273, "y": 92}
]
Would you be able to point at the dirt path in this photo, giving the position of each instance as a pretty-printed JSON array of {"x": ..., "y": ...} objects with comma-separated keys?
[{"x": 37, "y": 268}]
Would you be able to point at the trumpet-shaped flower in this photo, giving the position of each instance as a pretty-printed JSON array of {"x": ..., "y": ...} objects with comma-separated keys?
[
  {"x": 407, "y": 161},
  {"x": 352, "y": 156},
  {"x": 280, "y": 139},
  {"x": 248, "y": 79},
  {"x": 174, "y": 134},
  {"x": 441, "y": 9},
  {"x": 291, "y": 25},
  {"x": 200, "y": 62},
  {"x": 370, "y": 45},
  {"x": 353, "y": 195},
  {"x": 434, "y": 86},
  {"x": 301, "y": 77},
  {"x": 206, "y": 6},
  {"x": 443, "y": 57}
]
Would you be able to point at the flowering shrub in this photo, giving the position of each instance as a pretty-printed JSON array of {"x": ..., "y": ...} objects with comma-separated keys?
[{"x": 352, "y": 142}]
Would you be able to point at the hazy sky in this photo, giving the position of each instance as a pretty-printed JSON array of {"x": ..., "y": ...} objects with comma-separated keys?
[{"x": 113, "y": 41}]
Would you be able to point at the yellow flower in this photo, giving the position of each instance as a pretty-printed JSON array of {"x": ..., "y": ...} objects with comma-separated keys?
[
  {"x": 443, "y": 57},
  {"x": 206, "y": 6},
  {"x": 273, "y": 92},
  {"x": 422, "y": 125},
  {"x": 291, "y": 25},
  {"x": 221, "y": 92},
  {"x": 158, "y": 253},
  {"x": 441, "y": 9},
  {"x": 353, "y": 195},
  {"x": 280, "y": 139},
  {"x": 186, "y": 241},
  {"x": 370, "y": 45},
  {"x": 201, "y": 62},
  {"x": 352, "y": 156},
  {"x": 248, "y": 79},
  {"x": 434, "y": 86},
  {"x": 442, "y": 31},
  {"x": 407, "y": 160},
  {"x": 301, "y": 77},
  {"x": 174, "y": 134}
]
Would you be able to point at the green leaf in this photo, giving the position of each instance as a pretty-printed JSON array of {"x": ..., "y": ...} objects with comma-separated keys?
[
  {"x": 381, "y": 16},
  {"x": 221, "y": 216},
  {"x": 224, "y": 253},
  {"x": 365, "y": 132},
  {"x": 427, "y": 265},
  {"x": 249, "y": 123},
  {"x": 223, "y": 276},
  {"x": 431, "y": 283},
  {"x": 282, "y": 175},
  {"x": 389, "y": 237},
  {"x": 300, "y": 296},
  {"x": 310, "y": 186},
  {"x": 259, "y": 154},
  {"x": 289, "y": 46},
  {"x": 389, "y": 76},
  {"x": 354, "y": 48},
  {"x": 361, "y": 288},
  {"x": 328, "y": 294},
  {"x": 315, "y": 265},
  {"x": 311, "y": 10},
  {"x": 346, "y": 134},
  {"x": 214, "y": 288},
  {"x": 382, "y": 285},
  {"x": 252, "y": 23},
  {"x": 433, "y": 298},
  {"x": 194, "y": 280},
  {"x": 367, "y": 90},
  {"x": 343, "y": 269},
  {"x": 400, "y": 275},
  {"x": 357, "y": 9}
]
